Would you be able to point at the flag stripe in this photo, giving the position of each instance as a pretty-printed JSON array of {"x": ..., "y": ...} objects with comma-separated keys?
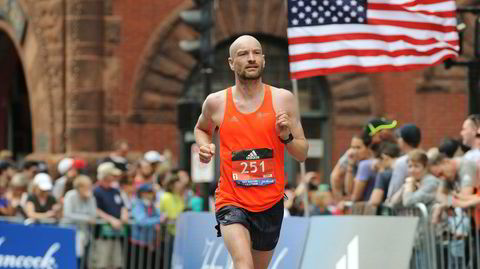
[
  {"x": 367, "y": 61},
  {"x": 440, "y": 14},
  {"x": 371, "y": 52},
  {"x": 414, "y": 25},
  {"x": 355, "y": 68},
  {"x": 387, "y": 30},
  {"x": 366, "y": 36},
  {"x": 360, "y": 45},
  {"x": 410, "y": 17}
]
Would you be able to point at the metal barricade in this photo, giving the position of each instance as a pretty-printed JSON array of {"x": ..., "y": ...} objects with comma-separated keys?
[
  {"x": 456, "y": 238},
  {"x": 99, "y": 245}
]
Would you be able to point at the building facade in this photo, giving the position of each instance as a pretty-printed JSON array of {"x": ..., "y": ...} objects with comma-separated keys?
[{"x": 78, "y": 75}]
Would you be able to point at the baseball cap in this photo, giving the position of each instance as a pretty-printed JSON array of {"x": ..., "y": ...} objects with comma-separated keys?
[
  {"x": 153, "y": 156},
  {"x": 64, "y": 165},
  {"x": 43, "y": 181},
  {"x": 411, "y": 134},
  {"x": 106, "y": 169},
  {"x": 375, "y": 125}
]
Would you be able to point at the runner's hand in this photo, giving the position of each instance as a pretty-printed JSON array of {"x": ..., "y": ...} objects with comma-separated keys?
[
  {"x": 283, "y": 125},
  {"x": 206, "y": 152}
]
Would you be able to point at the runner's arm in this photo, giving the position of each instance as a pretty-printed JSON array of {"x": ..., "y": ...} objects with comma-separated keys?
[
  {"x": 298, "y": 148},
  {"x": 205, "y": 126}
]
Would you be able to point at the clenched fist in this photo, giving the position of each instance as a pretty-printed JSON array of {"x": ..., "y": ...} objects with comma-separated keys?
[
  {"x": 206, "y": 153},
  {"x": 283, "y": 125}
]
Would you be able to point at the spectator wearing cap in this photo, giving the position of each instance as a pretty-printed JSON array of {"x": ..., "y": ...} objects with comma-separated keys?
[
  {"x": 111, "y": 208},
  {"x": 146, "y": 216},
  {"x": 388, "y": 153},
  {"x": 41, "y": 204},
  {"x": 66, "y": 168},
  {"x": 119, "y": 156},
  {"x": 377, "y": 129},
  {"x": 154, "y": 158},
  {"x": 409, "y": 137},
  {"x": 17, "y": 194}
]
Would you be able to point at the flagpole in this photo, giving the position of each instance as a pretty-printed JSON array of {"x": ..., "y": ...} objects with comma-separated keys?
[{"x": 303, "y": 171}]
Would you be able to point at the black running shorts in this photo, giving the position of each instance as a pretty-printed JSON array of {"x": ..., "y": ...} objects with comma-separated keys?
[{"x": 264, "y": 227}]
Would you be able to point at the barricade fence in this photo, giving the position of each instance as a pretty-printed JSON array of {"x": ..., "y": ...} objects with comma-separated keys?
[
  {"x": 446, "y": 237},
  {"x": 131, "y": 246}
]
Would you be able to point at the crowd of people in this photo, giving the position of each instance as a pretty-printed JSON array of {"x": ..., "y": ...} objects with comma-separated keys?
[
  {"x": 138, "y": 196},
  {"x": 386, "y": 166}
]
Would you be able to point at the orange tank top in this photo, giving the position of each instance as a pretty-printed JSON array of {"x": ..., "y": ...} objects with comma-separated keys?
[{"x": 251, "y": 157}]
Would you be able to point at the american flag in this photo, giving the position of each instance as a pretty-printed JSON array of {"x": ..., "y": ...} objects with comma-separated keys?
[{"x": 331, "y": 36}]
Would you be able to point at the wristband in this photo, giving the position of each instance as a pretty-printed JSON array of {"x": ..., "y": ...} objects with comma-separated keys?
[{"x": 288, "y": 140}]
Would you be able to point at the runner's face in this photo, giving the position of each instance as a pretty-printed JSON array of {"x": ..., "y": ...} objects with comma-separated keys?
[{"x": 248, "y": 60}]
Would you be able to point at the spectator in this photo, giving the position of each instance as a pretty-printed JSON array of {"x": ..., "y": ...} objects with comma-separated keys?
[
  {"x": 457, "y": 175},
  {"x": 322, "y": 200},
  {"x": 29, "y": 170},
  {"x": 41, "y": 204},
  {"x": 420, "y": 186},
  {"x": 469, "y": 129},
  {"x": 364, "y": 180},
  {"x": 389, "y": 152},
  {"x": 68, "y": 172},
  {"x": 154, "y": 158},
  {"x": 146, "y": 217},
  {"x": 17, "y": 194},
  {"x": 342, "y": 179},
  {"x": 6, "y": 155},
  {"x": 110, "y": 207},
  {"x": 145, "y": 173},
  {"x": 379, "y": 129},
  {"x": 409, "y": 137},
  {"x": 172, "y": 204},
  {"x": 449, "y": 147},
  {"x": 127, "y": 192},
  {"x": 5, "y": 208},
  {"x": 80, "y": 211},
  {"x": 119, "y": 156},
  {"x": 7, "y": 171}
]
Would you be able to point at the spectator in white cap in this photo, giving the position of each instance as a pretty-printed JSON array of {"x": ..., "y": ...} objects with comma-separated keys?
[
  {"x": 41, "y": 204},
  {"x": 111, "y": 208},
  {"x": 154, "y": 158},
  {"x": 68, "y": 172}
]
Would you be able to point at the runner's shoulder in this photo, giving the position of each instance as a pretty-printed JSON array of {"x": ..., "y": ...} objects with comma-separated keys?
[
  {"x": 215, "y": 100},
  {"x": 282, "y": 95}
]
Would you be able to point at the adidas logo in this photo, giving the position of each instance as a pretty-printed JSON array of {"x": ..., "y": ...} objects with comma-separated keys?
[
  {"x": 234, "y": 119},
  {"x": 253, "y": 156}
]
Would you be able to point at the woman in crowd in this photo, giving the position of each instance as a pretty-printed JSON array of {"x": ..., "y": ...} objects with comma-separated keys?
[{"x": 41, "y": 204}]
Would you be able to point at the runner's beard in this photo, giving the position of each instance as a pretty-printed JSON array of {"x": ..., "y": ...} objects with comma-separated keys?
[{"x": 251, "y": 76}]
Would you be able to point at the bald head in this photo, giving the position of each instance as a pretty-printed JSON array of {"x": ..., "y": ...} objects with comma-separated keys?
[{"x": 244, "y": 41}]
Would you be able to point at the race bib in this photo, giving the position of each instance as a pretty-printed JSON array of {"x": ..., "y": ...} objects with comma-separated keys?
[{"x": 253, "y": 167}]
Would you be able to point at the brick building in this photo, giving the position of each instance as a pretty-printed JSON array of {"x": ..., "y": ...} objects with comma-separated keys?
[{"x": 78, "y": 75}]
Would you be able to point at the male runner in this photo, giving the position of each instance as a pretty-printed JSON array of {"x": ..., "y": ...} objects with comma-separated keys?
[{"x": 256, "y": 122}]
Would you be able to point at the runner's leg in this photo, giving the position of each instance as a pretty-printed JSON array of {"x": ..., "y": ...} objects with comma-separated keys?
[
  {"x": 237, "y": 241},
  {"x": 261, "y": 259}
]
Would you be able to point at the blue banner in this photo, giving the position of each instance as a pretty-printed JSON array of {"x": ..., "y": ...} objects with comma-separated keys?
[
  {"x": 197, "y": 245},
  {"x": 39, "y": 247}
]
